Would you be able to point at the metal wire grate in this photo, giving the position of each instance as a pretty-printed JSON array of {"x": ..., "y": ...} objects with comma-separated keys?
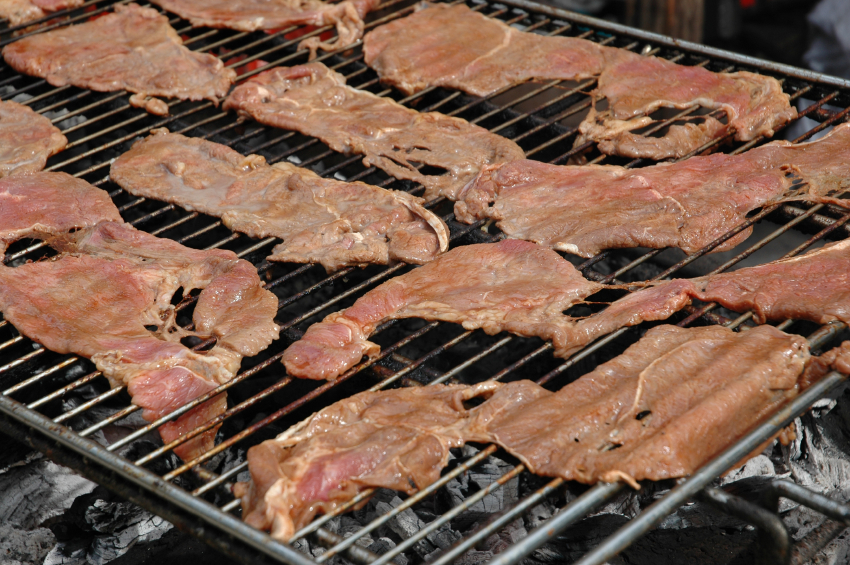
[{"x": 60, "y": 403}]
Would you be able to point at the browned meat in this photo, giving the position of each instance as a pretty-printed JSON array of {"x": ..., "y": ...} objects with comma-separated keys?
[
  {"x": 43, "y": 205},
  {"x": 132, "y": 49},
  {"x": 27, "y": 139},
  {"x": 250, "y": 15},
  {"x": 456, "y": 47},
  {"x": 689, "y": 204},
  {"x": 320, "y": 220},
  {"x": 512, "y": 286},
  {"x": 99, "y": 300},
  {"x": 397, "y": 439},
  {"x": 22, "y": 11},
  {"x": 315, "y": 100},
  {"x": 665, "y": 407}
]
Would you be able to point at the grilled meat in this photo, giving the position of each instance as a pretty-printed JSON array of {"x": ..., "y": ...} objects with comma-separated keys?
[
  {"x": 689, "y": 204},
  {"x": 315, "y": 100},
  {"x": 320, "y": 220},
  {"x": 27, "y": 139},
  {"x": 512, "y": 286},
  {"x": 456, "y": 47},
  {"x": 22, "y": 11},
  {"x": 132, "y": 49},
  {"x": 665, "y": 407},
  {"x": 250, "y": 15},
  {"x": 44, "y": 205},
  {"x": 108, "y": 298}
]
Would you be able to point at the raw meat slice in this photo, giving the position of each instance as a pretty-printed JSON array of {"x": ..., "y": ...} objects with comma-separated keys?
[
  {"x": 250, "y": 15},
  {"x": 22, "y": 11},
  {"x": 512, "y": 286},
  {"x": 456, "y": 47},
  {"x": 132, "y": 49},
  {"x": 320, "y": 220},
  {"x": 315, "y": 100},
  {"x": 584, "y": 210},
  {"x": 660, "y": 410},
  {"x": 27, "y": 139},
  {"x": 108, "y": 298},
  {"x": 43, "y": 205}
]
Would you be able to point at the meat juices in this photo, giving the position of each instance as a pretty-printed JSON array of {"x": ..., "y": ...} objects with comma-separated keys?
[
  {"x": 325, "y": 221},
  {"x": 662, "y": 409},
  {"x": 455, "y": 47},
  {"x": 250, "y": 15},
  {"x": 315, "y": 100},
  {"x": 132, "y": 49},
  {"x": 585, "y": 210},
  {"x": 27, "y": 139},
  {"x": 108, "y": 298},
  {"x": 22, "y": 11}
]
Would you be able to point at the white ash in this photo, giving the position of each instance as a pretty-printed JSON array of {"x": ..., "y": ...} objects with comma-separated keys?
[{"x": 24, "y": 547}]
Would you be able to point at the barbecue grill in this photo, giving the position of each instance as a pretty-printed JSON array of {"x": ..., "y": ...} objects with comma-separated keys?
[{"x": 60, "y": 405}]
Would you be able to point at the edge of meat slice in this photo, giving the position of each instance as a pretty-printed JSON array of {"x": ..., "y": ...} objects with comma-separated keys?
[
  {"x": 133, "y": 49},
  {"x": 243, "y": 15},
  {"x": 46, "y": 204},
  {"x": 22, "y": 11},
  {"x": 667, "y": 405},
  {"x": 586, "y": 209},
  {"x": 326, "y": 221},
  {"x": 27, "y": 139},
  {"x": 316, "y": 101},
  {"x": 513, "y": 286}
]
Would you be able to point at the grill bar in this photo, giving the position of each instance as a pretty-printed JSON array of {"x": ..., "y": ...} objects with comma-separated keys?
[{"x": 541, "y": 118}]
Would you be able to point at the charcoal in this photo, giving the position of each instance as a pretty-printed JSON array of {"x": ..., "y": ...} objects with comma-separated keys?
[
  {"x": 474, "y": 557},
  {"x": 24, "y": 547},
  {"x": 444, "y": 537},
  {"x": 382, "y": 545},
  {"x": 406, "y": 524}
]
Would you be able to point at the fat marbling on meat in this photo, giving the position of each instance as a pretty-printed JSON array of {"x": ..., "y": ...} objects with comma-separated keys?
[
  {"x": 133, "y": 49},
  {"x": 250, "y": 15},
  {"x": 660, "y": 410},
  {"x": 325, "y": 221},
  {"x": 107, "y": 297},
  {"x": 456, "y": 47},
  {"x": 27, "y": 139},
  {"x": 315, "y": 100},
  {"x": 19, "y": 12},
  {"x": 587, "y": 209}
]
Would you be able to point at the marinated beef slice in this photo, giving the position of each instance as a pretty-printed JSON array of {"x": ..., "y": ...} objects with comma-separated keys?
[
  {"x": 131, "y": 49},
  {"x": 19, "y": 12},
  {"x": 456, "y": 47},
  {"x": 315, "y": 100},
  {"x": 586, "y": 209},
  {"x": 325, "y": 221},
  {"x": 662, "y": 409},
  {"x": 27, "y": 139}
]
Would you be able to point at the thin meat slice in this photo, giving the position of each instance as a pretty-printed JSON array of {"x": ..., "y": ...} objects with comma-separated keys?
[
  {"x": 584, "y": 210},
  {"x": 512, "y": 286},
  {"x": 456, "y": 47},
  {"x": 108, "y": 296},
  {"x": 321, "y": 220},
  {"x": 19, "y": 12},
  {"x": 27, "y": 139},
  {"x": 131, "y": 49},
  {"x": 43, "y": 205},
  {"x": 660, "y": 410},
  {"x": 315, "y": 100},
  {"x": 250, "y": 15}
]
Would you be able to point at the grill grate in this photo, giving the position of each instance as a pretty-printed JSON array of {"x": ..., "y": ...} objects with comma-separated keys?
[{"x": 59, "y": 403}]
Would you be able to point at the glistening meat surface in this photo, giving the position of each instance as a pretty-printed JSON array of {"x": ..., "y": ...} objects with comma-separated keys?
[
  {"x": 320, "y": 220},
  {"x": 250, "y": 15},
  {"x": 22, "y": 11},
  {"x": 27, "y": 139},
  {"x": 584, "y": 210},
  {"x": 660, "y": 410},
  {"x": 131, "y": 49},
  {"x": 456, "y": 47},
  {"x": 315, "y": 100},
  {"x": 108, "y": 296}
]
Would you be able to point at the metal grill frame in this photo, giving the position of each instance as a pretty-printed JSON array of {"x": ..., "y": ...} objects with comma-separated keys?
[{"x": 109, "y": 121}]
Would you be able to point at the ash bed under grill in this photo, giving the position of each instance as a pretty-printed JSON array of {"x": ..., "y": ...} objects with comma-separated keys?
[{"x": 60, "y": 405}]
